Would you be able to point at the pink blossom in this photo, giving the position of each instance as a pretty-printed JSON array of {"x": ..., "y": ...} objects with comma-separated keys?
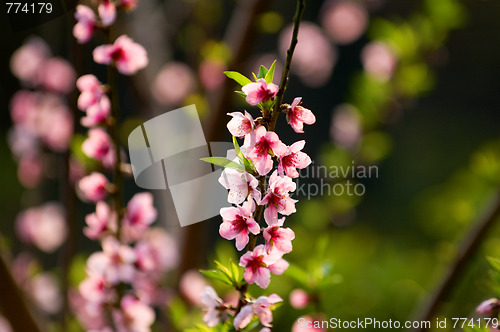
[
  {"x": 91, "y": 91},
  {"x": 241, "y": 185},
  {"x": 128, "y": 56},
  {"x": 99, "y": 146},
  {"x": 30, "y": 169},
  {"x": 21, "y": 141},
  {"x": 299, "y": 298},
  {"x": 115, "y": 262},
  {"x": 298, "y": 115},
  {"x": 86, "y": 24},
  {"x": 95, "y": 288},
  {"x": 258, "y": 152},
  {"x": 44, "y": 290},
  {"x": 279, "y": 237},
  {"x": 345, "y": 128},
  {"x": 93, "y": 186},
  {"x": 5, "y": 325},
  {"x": 238, "y": 223},
  {"x": 97, "y": 113},
  {"x": 344, "y": 21},
  {"x": 193, "y": 284},
  {"x": 55, "y": 126},
  {"x": 489, "y": 306},
  {"x": 259, "y": 91},
  {"x": 128, "y": 4},
  {"x": 107, "y": 12},
  {"x": 259, "y": 265},
  {"x": 23, "y": 108},
  {"x": 293, "y": 159},
  {"x": 134, "y": 316},
  {"x": 261, "y": 308},
  {"x": 27, "y": 60},
  {"x": 92, "y": 315},
  {"x": 278, "y": 198},
  {"x": 43, "y": 226},
  {"x": 150, "y": 289},
  {"x": 212, "y": 306},
  {"x": 174, "y": 83},
  {"x": 379, "y": 60},
  {"x": 102, "y": 222},
  {"x": 240, "y": 125},
  {"x": 211, "y": 74},
  {"x": 57, "y": 75},
  {"x": 157, "y": 251},
  {"x": 140, "y": 214}
]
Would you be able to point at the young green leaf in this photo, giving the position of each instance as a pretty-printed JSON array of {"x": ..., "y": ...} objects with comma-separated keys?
[
  {"x": 217, "y": 275},
  {"x": 262, "y": 72},
  {"x": 249, "y": 166},
  {"x": 239, "y": 78},
  {"x": 255, "y": 77},
  {"x": 224, "y": 162},
  {"x": 270, "y": 73}
]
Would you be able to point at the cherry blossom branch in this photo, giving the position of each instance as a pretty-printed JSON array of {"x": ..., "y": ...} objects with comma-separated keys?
[
  {"x": 286, "y": 71},
  {"x": 468, "y": 247}
]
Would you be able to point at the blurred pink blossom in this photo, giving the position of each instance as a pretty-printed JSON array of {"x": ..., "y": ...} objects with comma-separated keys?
[
  {"x": 99, "y": 146},
  {"x": 91, "y": 315},
  {"x": 260, "y": 91},
  {"x": 115, "y": 262},
  {"x": 5, "y": 325},
  {"x": 27, "y": 60},
  {"x": 21, "y": 141},
  {"x": 157, "y": 251},
  {"x": 314, "y": 56},
  {"x": 134, "y": 316},
  {"x": 91, "y": 90},
  {"x": 95, "y": 288},
  {"x": 489, "y": 306},
  {"x": 140, "y": 214},
  {"x": 174, "y": 83},
  {"x": 344, "y": 20},
  {"x": 43, "y": 226},
  {"x": 45, "y": 292},
  {"x": 84, "y": 28},
  {"x": 379, "y": 60},
  {"x": 101, "y": 223},
  {"x": 212, "y": 305},
  {"x": 127, "y": 4},
  {"x": 211, "y": 73},
  {"x": 261, "y": 308},
  {"x": 345, "y": 129},
  {"x": 107, "y": 12},
  {"x": 55, "y": 124},
  {"x": 97, "y": 114},
  {"x": 308, "y": 324},
  {"x": 57, "y": 75},
  {"x": 299, "y": 298},
  {"x": 93, "y": 186},
  {"x": 191, "y": 285},
  {"x": 128, "y": 56},
  {"x": 30, "y": 169}
]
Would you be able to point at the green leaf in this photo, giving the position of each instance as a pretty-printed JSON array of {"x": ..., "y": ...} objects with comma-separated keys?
[
  {"x": 241, "y": 94},
  {"x": 239, "y": 78},
  {"x": 262, "y": 72},
  {"x": 249, "y": 166},
  {"x": 255, "y": 77},
  {"x": 235, "y": 271},
  {"x": 270, "y": 73},
  {"x": 224, "y": 162},
  {"x": 217, "y": 275},
  {"x": 494, "y": 262}
]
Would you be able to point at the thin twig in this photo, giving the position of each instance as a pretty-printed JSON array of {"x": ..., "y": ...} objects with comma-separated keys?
[{"x": 468, "y": 248}]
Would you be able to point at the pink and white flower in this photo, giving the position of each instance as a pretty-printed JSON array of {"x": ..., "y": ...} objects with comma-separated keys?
[
  {"x": 134, "y": 315},
  {"x": 241, "y": 185},
  {"x": 93, "y": 186},
  {"x": 299, "y": 299},
  {"x": 86, "y": 24},
  {"x": 241, "y": 124},
  {"x": 95, "y": 288},
  {"x": 258, "y": 152},
  {"x": 278, "y": 198},
  {"x": 213, "y": 306},
  {"x": 115, "y": 262},
  {"x": 279, "y": 238},
  {"x": 91, "y": 91},
  {"x": 99, "y": 146},
  {"x": 489, "y": 306},
  {"x": 293, "y": 159},
  {"x": 140, "y": 214},
  {"x": 259, "y": 265},
  {"x": 259, "y": 91},
  {"x": 107, "y": 12},
  {"x": 128, "y": 56},
  {"x": 298, "y": 115},
  {"x": 156, "y": 252},
  {"x": 237, "y": 223},
  {"x": 102, "y": 222},
  {"x": 98, "y": 113},
  {"x": 261, "y": 308}
]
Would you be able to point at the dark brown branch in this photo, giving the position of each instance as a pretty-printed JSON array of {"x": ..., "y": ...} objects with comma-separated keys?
[
  {"x": 468, "y": 248},
  {"x": 12, "y": 305}
]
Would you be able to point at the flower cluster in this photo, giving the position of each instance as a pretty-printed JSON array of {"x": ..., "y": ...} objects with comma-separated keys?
[
  {"x": 123, "y": 280},
  {"x": 253, "y": 195}
]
